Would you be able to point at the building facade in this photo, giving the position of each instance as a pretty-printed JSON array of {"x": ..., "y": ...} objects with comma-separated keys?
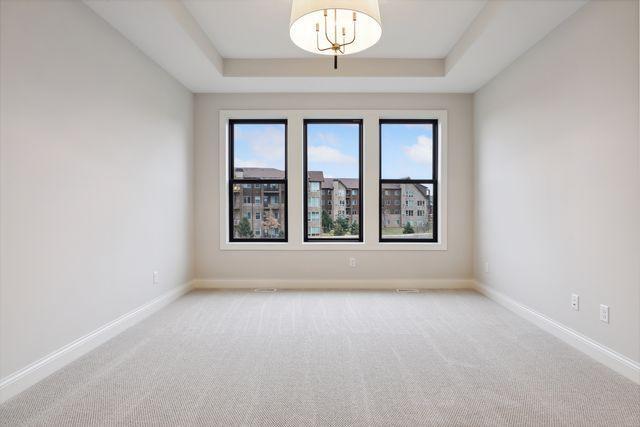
[
  {"x": 314, "y": 203},
  {"x": 407, "y": 204},
  {"x": 262, "y": 204}
]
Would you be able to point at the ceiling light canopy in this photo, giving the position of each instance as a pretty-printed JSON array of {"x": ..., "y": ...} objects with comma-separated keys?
[{"x": 335, "y": 27}]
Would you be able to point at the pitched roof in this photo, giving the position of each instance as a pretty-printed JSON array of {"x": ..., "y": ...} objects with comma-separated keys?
[
  {"x": 391, "y": 186},
  {"x": 261, "y": 173},
  {"x": 350, "y": 182},
  {"x": 327, "y": 183},
  {"x": 422, "y": 189},
  {"x": 315, "y": 176}
]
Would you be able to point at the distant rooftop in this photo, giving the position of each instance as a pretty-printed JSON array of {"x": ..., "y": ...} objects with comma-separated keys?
[
  {"x": 315, "y": 176},
  {"x": 260, "y": 173}
]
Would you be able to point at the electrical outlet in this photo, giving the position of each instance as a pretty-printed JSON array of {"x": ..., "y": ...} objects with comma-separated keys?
[
  {"x": 604, "y": 313},
  {"x": 156, "y": 278},
  {"x": 575, "y": 302},
  {"x": 486, "y": 267},
  {"x": 352, "y": 262}
]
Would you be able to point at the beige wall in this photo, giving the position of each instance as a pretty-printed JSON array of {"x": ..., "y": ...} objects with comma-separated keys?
[
  {"x": 96, "y": 178},
  {"x": 558, "y": 176},
  {"x": 455, "y": 263}
]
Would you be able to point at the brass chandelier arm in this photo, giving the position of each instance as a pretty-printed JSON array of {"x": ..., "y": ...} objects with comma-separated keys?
[
  {"x": 318, "y": 44},
  {"x": 354, "y": 35},
  {"x": 335, "y": 46}
]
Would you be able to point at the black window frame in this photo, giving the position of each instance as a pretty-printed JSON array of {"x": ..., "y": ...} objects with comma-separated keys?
[
  {"x": 305, "y": 177},
  {"x": 232, "y": 180},
  {"x": 433, "y": 181}
]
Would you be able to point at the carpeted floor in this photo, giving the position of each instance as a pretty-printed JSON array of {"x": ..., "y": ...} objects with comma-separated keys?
[{"x": 331, "y": 358}]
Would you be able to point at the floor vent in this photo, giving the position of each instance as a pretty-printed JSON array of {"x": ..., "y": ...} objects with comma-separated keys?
[
  {"x": 407, "y": 291},
  {"x": 265, "y": 290}
]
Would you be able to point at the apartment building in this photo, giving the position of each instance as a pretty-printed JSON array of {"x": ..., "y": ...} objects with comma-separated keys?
[
  {"x": 341, "y": 198},
  {"x": 351, "y": 198},
  {"x": 410, "y": 204},
  {"x": 314, "y": 203},
  {"x": 262, "y": 204}
]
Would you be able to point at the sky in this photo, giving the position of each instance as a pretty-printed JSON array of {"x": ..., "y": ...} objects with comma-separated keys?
[
  {"x": 259, "y": 145},
  {"x": 333, "y": 149},
  {"x": 407, "y": 151}
]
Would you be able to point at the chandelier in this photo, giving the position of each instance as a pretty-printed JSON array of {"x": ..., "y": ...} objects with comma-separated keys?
[{"x": 335, "y": 27}]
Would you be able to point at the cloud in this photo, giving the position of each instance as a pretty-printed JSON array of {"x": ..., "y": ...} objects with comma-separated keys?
[
  {"x": 266, "y": 145},
  {"x": 421, "y": 152},
  {"x": 251, "y": 163},
  {"x": 326, "y": 138},
  {"x": 325, "y": 154}
]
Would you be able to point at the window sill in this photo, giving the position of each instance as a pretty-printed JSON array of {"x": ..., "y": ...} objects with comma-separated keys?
[{"x": 331, "y": 246}]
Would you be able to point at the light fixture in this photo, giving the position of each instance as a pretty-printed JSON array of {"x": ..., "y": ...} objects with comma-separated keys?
[{"x": 335, "y": 27}]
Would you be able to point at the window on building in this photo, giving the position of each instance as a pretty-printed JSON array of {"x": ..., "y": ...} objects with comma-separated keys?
[
  {"x": 408, "y": 177},
  {"x": 258, "y": 174},
  {"x": 333, "y": 150}
]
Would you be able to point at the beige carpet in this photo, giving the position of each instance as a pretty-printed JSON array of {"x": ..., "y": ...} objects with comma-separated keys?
[{"x": 331, "y": 358}]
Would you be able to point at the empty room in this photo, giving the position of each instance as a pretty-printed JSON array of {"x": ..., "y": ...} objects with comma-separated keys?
[{"x": 319, "y": 213}]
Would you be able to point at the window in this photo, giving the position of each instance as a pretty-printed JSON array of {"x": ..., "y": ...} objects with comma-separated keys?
[
  {"x": 408, "y": 177},
  {"x": 258, "y": 174},
  {"x": 314, "y": 202},
  {"x": 333, "y": 157}
]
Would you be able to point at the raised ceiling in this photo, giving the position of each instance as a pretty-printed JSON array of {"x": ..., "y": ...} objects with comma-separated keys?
[
  {"x": 232, "y": 26},
  {"x": 244, "y": 45}
]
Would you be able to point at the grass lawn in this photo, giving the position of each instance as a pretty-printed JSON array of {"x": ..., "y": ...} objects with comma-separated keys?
[{"x": 391, "y": 231}]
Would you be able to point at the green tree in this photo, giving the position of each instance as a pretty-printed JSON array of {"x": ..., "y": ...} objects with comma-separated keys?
[
  {"x": 338, "y": 229},
  {"x": 327, "y": 222},
  {"x": 244, "y": 228},
  {"x": 344, "y": 222},
  {"x": 355, "y": 228},
  {"x": 408, "y": 229}
]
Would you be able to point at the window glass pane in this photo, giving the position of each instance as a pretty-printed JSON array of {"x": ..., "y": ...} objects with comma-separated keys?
[
  {"x": 407, "y": 211},
  {"x": 259, "y": 150},
  {"x": 333, "y": 180},
  {"x": 407, "y": 150},
  {"x": 259, "y": 213}
]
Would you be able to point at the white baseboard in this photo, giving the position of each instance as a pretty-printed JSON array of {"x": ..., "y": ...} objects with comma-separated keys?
[
  {"x": 610, "y": 358},
  {"x": 40, "y": 369},
  {"x": 333, "y": 283}
]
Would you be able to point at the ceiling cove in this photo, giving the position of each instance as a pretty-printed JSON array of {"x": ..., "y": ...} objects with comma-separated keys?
[{"x": 244, "y": 45}]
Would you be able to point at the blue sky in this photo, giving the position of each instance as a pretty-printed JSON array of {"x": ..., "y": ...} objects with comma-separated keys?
[
  {"x": 407, "y": 151},
  {"x": 259, "y": 146},
  {"x": 333, "y": 149}
]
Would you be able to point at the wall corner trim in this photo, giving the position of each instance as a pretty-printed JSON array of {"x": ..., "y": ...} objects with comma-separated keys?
[
  {"x": 47, "y": 365},
  {"x": 608, "y": 357}
]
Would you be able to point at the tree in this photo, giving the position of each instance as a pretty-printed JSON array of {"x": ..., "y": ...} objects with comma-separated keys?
[
  {"x": 338, "y": 229},
  {"x": 344, "y": 222},
  {"x": 327, "y": 222},
  {"x": 271, "y": 223},
  {"x": 355, "y": 228},
  {"x": 408, "y": 229},
  {"x": 244, "y": 228}
]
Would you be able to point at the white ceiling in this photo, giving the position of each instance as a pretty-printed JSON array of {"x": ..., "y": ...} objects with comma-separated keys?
[
  {"x": 426, "y": 45},
  {"x": 232, "y": 26}
]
